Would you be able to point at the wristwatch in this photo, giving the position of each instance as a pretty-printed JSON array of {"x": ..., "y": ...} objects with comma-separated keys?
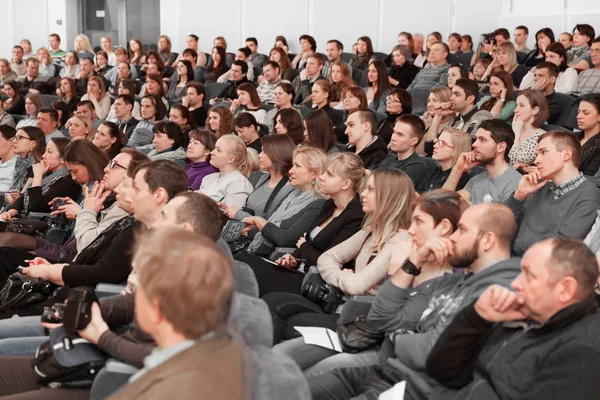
[{"x": 410, "y": 268}]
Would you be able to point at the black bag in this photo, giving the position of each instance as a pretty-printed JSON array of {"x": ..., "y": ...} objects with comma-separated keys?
[
  {"x": 353, "y": 329},
  {"x": 21, "y": 292},
  {"x": 66, "y": 359}
]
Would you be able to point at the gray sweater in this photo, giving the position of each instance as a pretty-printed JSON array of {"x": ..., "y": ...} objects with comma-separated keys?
[
  {"x": 540, "y": 216},
  {"x": 258, "y": 199}
]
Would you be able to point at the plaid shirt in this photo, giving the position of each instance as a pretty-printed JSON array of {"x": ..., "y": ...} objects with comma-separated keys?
[
  {"x": 558, "y": 191},
  {"x": 589, "y": 81}
]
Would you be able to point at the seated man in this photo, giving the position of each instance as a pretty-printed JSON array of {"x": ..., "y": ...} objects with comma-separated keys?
[
  {"x": 6, "y": 74},
  {"x": 47, "y": 121},
  {"x": 481, "y": 244},
  {"x": 32, "y": 82},
  {"x": 123, "y": 107},
  {"x": 255, "y": 58},
  {"x": 408, "y": 133},
  {"x": 433, "y": 75},
  {"x": 494, "y": 141},
  {"x": 121, "y": 55},
  {"x": 242, "y": 54},
  {"x": 271, "y": 78},
  {"x": 5, "y": 118},
  {"x": 303, "y": 87},
  {"x": 17, "y": 64},
  {"x": 361, "y": 126},
  {"x": 589, "y": 80},
  {"x": 537, "y": 342},
  {"x": 544, "y": 80},
  {"x": 239, "y": 70},
  {"x": 462, "y": 104},
  {"x": 194, "y": 101},
  {"x": 86, "y": 109},
  {"x": 556, "y": 199},
  {"x": 86, "y": 71}
]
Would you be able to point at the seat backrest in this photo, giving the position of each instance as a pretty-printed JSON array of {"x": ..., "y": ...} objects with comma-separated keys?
[
  {"x": 346, "y": 57},
  {"x": 250, "y": 316},
  {"x": 379, "y": 56},
  {"x": 357, "y": 75},
  {"x": 244, "y": 278},
  {"x": 213, "y": 90},
  {"x": 47, "y": 99}
]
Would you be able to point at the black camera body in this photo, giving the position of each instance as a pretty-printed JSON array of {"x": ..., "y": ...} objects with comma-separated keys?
[
  {"x": 325, "y": 295},
  {"x": 57, "y": 203},
  {"x": 54, "y": 314},
  {"x": 488, "y": 38},
  {"x": 78, "y": 312}
]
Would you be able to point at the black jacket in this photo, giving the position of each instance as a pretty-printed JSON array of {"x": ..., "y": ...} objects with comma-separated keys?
[
  {"x": 128, "y": 126},
  {"x": 590, "y": 156},
  {"x": 338, "y": 230},
  {"x": 371, "y": 155},
  {"x": 519, "y": 360},
  {"x": 230, "y": 92},
  {"x": 38, "y": 202},
  {"x": 404, "y": 74}
]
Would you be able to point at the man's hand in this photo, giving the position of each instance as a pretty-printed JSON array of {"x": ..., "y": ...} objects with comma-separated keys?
[
  {"x": 466, "y": 161},
  {"x": 95, "y": 328},
  {"x": 529, "y": 184},
  {"x": 95, "y": 199},
  {"x": 436, "y": 249},
  {"x": 499, "y": 304}
]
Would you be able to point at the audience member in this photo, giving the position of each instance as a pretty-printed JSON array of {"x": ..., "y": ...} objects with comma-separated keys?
[
  {"x": 247, "y": 101},
  {"x": 47, "y": 121},
  {"x": 5, "y": 118},
  {"x": 521, "y": 35},
  {"x": 271, "y": 75},
  {"x": 454, "y": 41},
  {"x": 555, "y": 199},
  {"x": 168, "y": 143},
  {"x": 257, "y": 59},
  {"x": 319, "y": 132},
  {"x": 219, "y": 121},
  {"x": 361, "y": 127},
  {"x": 335, "y": 48},
  {"x": 308, "y": 45},
  {"x": 364, "y": 53},
  {"x": 588, "y": 121},
  {"x": 434, "y": 75},
  {"x": 303, "y": 87},
  {"x": 579, "y": 53},
  {"x": 153, "y": 110},
  {"x": 281, "y": 58},
  {"x": 545, "y": 80},
  {"x": 164, "y": 50},
  {"x": 355, "y": 99},
  {"x": 530, "y": 113},
  {"x": 589, "y": 80},
  {"x": 96, "y": 93},
  {"x": 398, "y": 103},
  {"x": 340, "y": 78},
  {"x": 80, "y": 128},
  {"x": 17, "y": 63},
  {"x": 86, "y": 109},
  {"x": 379, "y": 86},
  {"x": 177, "y": 87},
  {"x": 462, "y": 103},
  {"x": 289, "y": 122},
  {"x": 136, "y": 51},
  {"x": 194, "y": 101},
  {"x": 566, "y": 39},
  {"x": 71, "y": 67},
  {"x": 109, "y": 138},
  {"x": 6, "y": 73},
  {"x": 33, "y": 103},
  {"x": 498, "y": 102},
  {"x": 434, "y": 111},
  {"x": 567, "y": 77},
  {"x": 8, "y": 158},
  {"x": 217, "y": 66},
  {"x": 284, "y": 96},
  {"x": 506, "y": 59},
  {"x": 181, "y": 116},
  {"x": 29, "y": 144},
  {"x": 54, "y": 46},
  {"x": 32, "y": 81},
  {"x": 455, "y": 72},
  {"x": 155, "y": 86},
  {"x": 66, "y": 92},
  {"x": 247, "y": 128},
  {"x": 499, "y": 180},
  {"x": 46, "y": 68},
  {"x": 201, "y": 144}
]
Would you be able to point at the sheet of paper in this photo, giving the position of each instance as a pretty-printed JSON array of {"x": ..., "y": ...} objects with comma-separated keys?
[
  {"x": 269, "y": 261},
  {"x": 322, "y": 337},
  {"x": 395, "y": 393}
]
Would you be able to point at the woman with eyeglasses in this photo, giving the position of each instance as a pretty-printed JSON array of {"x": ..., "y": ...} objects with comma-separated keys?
[
  {"x": 397, "y": 103},
  {"x": 447, "y": 149},
  {"x": 29, "y": 143}
]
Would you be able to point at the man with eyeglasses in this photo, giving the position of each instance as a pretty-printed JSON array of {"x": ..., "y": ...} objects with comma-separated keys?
[{"x": 408, "y": 133}]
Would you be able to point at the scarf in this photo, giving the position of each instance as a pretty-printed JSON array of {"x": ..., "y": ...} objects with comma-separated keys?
[
  {"x": 46, "y": 183},
  {"x": 291, "y": 206},
  {"x": 169, "y": 154},
  {"x": 21, "y": 167},
  {"x": 577, "y": 52}
]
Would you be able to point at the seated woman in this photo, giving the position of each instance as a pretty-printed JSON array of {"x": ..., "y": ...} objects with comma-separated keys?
[
  {"x": 479, "y": 74},
  {"x": 168, "y": 143},
  {"x": 71, "y": 67},
  {"x": 354, "y": 99},
  {"x": 109, "y": 139},
  {"x": 249, "y": 102},
  {"x": 308, "y": 45},
  {"x": 218, "y": 66},
  {"x": 29, "y": 144},
  {"x": 181, "y": 116},
  {"x": 63, "y": 116},
  {"x": 51, "y": 179},
  {"x": 15, "y": 103},
  {"x": 364, "y": 52},
  {"x": 230, "y": 185},
  {"x": 498, "y": 102},
  {"x": 320, "y": 95},
  {"x": 153, "y": 110},
  {"x": 284, "y": 96},
  {"x": 136, "y": 51},
  {"x": 46, "y": 68},
  {"x": 247, "y": 129},
  {"x": 397, "y": 103},
  {"x": 97, "y": 95},
  {"x": 101, "y": 66},
  {"x": 567, "y": 76},
  {"x": 33, "y": 103},
  {"x": 80, "y": 128},
  {"x": 543, "y": 38},
  {"x": 455, "y": 72},
  {"x": 530, "y": 113},
  {"x": 198, "y": 166},
  {"x": 588, "y": 121},
  {"x": 341, "y": 80},
  {"x": 219, "y": 121},
  {"x": 288, "y": 73},
  {"x": 318, "y": 132},
  {"x": 271, "y": 188},
  {"x": 435, "y": 218},
  {"x": 388, "y": 202},
  {"x": 156, "y": 86},
  {"x": 435, "y": 119},
  {"x": 379, "y": 86},
  {"x": 123, "y": 73},
  {"x": 447, "y": 148},
  {"x": 506, "y": 60},
  {"x": 289, "y": 122},
  {"x": 295, "y": 214},
  {"x": 403, "y": 71},
  {"x": 177, "y": 88},
  {"x": 164, "y": 50},
  {"x": 67, "y": 93},
  {"x": 341, "y": 217}
]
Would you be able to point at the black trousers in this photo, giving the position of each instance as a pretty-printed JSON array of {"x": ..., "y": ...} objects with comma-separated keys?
[
  {"x": 272, "y": 278},
  {"x": 17, "y": 382}
]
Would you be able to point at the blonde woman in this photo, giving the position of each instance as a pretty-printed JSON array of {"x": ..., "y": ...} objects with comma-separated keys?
[
  {"x": 83, "y": 47},
  {"x": 107, "y": 46},
  {"x": 96, "y": 93},
  {"x": 229, "y": 186},
  {"x": 387, "y": 202},
  {"x": 46, "y": 68},
  {"x": 506, "y": 59},
  {"x": 80, "y": 128},
  {"x": 435, "y": 119},
  {"x": 447, "y": 148}
]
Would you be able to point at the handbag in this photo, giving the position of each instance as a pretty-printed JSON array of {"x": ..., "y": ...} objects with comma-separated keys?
[
  {"x": 21, "y": 292},
  {"x": 353, "y": 330},
  {"x": 67, "y": 359}
]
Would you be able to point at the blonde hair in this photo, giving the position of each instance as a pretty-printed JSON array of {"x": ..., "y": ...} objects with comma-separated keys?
[
  {"x": 100, "y": 83},
  {"x": 512, "y": 55},
  {"x": 314, "y": 158},
  {"x": 244, "y": 162},
  {"x": 253, "y": 161},
  {"x": 48, "y": 59},
  {"x": 88, "y": 124},
  {"x": 443, "y": 94},
  {"x": 202, "y": 281},
  {"x": 394, "y": 200},
  {"x": 85, "y": 45},
  {"x": 461, "y": 141},
  {"x": 348, "y": 166}
]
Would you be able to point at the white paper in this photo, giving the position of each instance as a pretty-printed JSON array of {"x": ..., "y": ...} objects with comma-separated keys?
[
  {"x": 322, "y": 337},
  {"x": 100, "y": 13},
  {"x": 269, "y": 261},
  {"x": 395, "y": 393}
]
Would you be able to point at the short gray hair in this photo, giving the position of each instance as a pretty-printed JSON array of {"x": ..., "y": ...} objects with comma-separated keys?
[{"x": 405, "y": 52}]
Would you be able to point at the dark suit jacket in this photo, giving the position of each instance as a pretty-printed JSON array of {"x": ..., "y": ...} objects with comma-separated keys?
[
  {"x": 211, "y": 369},
  {"x": 338, "y": 230},
  {"x": 590, "y": 155}
]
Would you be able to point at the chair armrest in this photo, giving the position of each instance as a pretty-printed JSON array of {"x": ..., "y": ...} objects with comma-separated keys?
[
  {"x": 106, "y": 290},
  {"x": 111, "y": 379}
]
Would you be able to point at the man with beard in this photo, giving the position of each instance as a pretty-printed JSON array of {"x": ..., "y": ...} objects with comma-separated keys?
[
  {"x": 490, "y": 149},
  {"x": 481, "y": 245}
]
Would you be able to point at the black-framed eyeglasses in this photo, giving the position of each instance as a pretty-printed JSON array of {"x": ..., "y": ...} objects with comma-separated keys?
[
  {"x": 113, "y": 164},
  {"x": 16, "y": 138},
  {"x": 442, "y": 143}
]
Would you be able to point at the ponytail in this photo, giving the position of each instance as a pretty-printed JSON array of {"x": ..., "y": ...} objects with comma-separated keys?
[{"x": 251, "y": 162}]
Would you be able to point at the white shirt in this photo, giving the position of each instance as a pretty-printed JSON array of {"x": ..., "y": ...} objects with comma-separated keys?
[
  {"x": 7, "y": 170},
  {"x": 566, "y": 82},
  {"x": 232, "y": 189}
]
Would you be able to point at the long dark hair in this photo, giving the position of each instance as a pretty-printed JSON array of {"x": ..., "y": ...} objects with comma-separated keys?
[
  {"x": 507, "y": 80},
  {"x": 290, "y": 118},
  {"x": 221, "y": 67},
  {"x": 546, "y": 31},
  {"x": 383, "y": 82},
  {"x": 189, "y": 70},
  {"x": 558, "y": 48},
  {"x": 369, "y": 43},
  {"x": 319, "y": 130},
  {"x": 173, "y": 131},
  {"x": 185, "y": 113},
  {"x": 115, "y": 132},
  {"x": 36, "y": 134}
]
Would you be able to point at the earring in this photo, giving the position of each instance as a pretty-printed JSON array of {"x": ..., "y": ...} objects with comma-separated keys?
[{"x": 313, "y": 183}]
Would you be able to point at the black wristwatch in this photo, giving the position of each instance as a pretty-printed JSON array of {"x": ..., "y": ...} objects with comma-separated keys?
[{"x": 410, "y": 268}]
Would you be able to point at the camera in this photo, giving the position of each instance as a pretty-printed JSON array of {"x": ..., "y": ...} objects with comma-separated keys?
[
  {"x": 54, "y": 314},
  {"x": 488, "y": 38},
  {"x": 57, "y": 203},
  {"x": 78, "y": 311},
  {"x": 325, "y": 295}
]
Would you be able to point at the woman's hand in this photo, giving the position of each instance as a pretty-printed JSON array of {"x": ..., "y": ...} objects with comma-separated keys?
[
  {"x": 39, "y": 169},
  {"x": 503, "y": 94},
  {"x": 38, "y": 261},
  {"x": 6, "y": 216},
  {"x": 231, "y": 211},
  {"x": 234, "y": 104},
  {"x": 92, "y": 97},
  {"x": 95, "y": 199},
  {"x": 287, "y": 260},
  {"x": 301, "y": 241},
  {"x": 256, "y": 222}
]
